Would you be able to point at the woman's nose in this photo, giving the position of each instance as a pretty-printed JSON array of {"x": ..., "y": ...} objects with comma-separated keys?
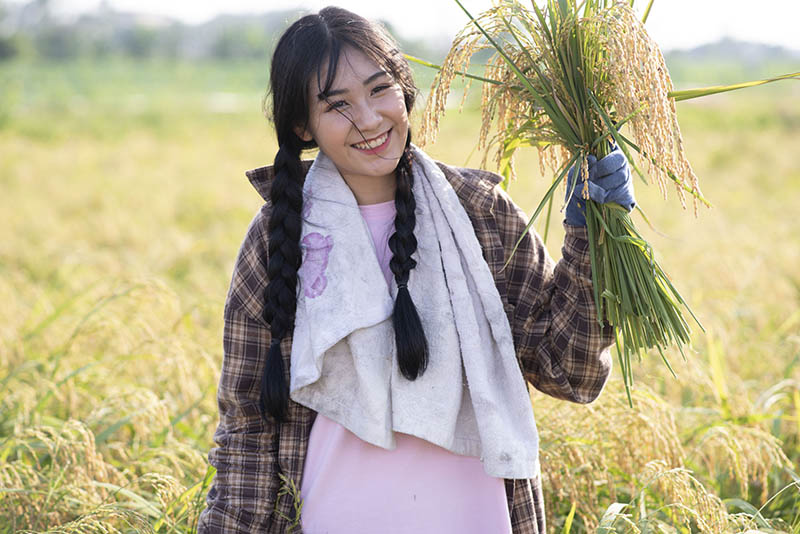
[{"x": 369, "y": 117}]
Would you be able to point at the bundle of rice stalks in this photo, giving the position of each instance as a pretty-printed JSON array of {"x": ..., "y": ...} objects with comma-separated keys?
[{"x": 565, "y": 78}]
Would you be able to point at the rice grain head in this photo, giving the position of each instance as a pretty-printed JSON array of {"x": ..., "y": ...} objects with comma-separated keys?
[
  {"x": 689, "y": 501},
  {"x": 744, "y": 453},
  {"x": 638, "y": 79},
  {"x": 587, "y": 450},
  {"x": 622, "y": 66}
]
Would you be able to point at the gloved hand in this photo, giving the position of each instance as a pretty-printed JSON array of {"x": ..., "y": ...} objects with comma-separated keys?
[{"x": 609, "y": 181}]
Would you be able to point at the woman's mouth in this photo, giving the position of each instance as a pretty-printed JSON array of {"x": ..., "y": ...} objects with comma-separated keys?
[{"x": 374, "y": 145}]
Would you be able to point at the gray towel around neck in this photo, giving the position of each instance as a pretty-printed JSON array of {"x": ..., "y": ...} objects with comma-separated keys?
[{"x": 472, "y": 399}]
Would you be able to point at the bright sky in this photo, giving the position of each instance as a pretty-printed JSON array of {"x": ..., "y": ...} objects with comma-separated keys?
[{"x": 672, "y": 23}]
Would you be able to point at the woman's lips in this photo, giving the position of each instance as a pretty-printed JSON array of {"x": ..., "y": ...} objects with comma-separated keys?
[{"x": 378, "y": 148}]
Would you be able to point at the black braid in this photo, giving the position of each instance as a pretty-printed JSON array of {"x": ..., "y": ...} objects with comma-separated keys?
[
  {"x": 284, "y": 260},
  {"x": 412, "y": 345}
]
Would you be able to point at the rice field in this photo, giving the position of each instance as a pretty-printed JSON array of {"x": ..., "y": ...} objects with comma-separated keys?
[{"x": 124, "y": 202}]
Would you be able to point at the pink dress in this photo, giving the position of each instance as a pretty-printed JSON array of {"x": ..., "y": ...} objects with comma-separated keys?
[{"x": 352, "y": 487}]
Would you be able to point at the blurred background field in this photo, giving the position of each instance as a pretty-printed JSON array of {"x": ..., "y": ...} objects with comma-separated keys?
[{"x": 124, "y": 202}]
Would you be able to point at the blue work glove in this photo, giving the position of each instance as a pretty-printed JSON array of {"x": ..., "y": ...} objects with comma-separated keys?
[{"x": 609, "y": 181}]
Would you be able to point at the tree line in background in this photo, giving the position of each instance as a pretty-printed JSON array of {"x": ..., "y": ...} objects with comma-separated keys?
[{"x": 33, "y": 31}]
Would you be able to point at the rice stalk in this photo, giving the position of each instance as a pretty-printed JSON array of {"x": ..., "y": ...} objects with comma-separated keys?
[
  {"x": 660, "y": 463},
  {"x": 745, "y": 454},
  {"x": 105, "y": 519},
  {"x": 51, "y": 472},
  {"x": 289, "y": 489},
  {"x": 687, "y": 501},
  {"x": 133, "y": 461}
]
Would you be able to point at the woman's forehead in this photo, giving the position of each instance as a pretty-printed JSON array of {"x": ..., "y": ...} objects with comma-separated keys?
[{"x": 353, "y": 67}]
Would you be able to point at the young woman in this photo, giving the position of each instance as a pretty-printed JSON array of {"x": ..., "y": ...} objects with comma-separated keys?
[{"x": 376, "y": 353}]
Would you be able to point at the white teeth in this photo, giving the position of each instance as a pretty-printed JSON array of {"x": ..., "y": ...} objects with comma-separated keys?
[{"x": 374, "y": 143}]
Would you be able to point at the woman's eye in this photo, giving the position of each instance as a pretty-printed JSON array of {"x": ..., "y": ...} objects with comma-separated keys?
[
  {"x": 337, "y": 105},
  {"x": 380, "y": 88}
]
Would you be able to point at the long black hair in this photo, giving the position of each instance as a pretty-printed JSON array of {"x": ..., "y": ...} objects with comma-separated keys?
[{"x": 308, "y": 45}]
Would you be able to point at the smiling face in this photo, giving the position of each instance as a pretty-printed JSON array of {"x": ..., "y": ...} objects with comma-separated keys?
[{"x": 363, "y": 103}]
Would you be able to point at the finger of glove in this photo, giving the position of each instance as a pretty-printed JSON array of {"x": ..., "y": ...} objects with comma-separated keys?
[
  {"x": 610, "y": 164},
  {"x": 613, "y": 180},
  {"x": 622, "y": 195},
  {"x": 596, "y": 193}
]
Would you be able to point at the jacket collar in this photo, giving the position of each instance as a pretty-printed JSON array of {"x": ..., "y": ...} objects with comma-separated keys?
[{"x": 473, "y": 186}]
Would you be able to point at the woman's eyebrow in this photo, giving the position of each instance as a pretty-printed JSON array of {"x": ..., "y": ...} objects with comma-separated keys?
[{"x": 334, "y": 92}]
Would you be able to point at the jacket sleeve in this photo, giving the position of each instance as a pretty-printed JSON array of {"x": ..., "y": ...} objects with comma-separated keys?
[
  {"x": 246, "y": 483},
  {"x": 563, "y": 350}
]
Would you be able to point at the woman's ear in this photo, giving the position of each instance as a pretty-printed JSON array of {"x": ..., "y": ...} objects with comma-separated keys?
[{"x": 303, "y": 134}]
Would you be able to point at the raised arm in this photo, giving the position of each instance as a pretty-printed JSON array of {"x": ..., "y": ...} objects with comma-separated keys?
[{"x": 561, "y": 346}]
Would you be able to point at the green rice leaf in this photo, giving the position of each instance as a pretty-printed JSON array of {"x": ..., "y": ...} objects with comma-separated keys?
[
  {"x": 135, "y": 501},
  {"x": 542, "y": 21},
  {"x": 568, "y": 521},
  {"x": 613, "y": 131},
  {"x": 547, "y": 219},
  {"x": 647, "y": 11},
  {"x": 564, "y": 170},
  {"x": 689, "y": 94},
  {"x": 439, "y": 67}
]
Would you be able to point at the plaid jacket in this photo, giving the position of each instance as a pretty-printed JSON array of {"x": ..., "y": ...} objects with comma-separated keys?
[{"x": 560, "y": 346}]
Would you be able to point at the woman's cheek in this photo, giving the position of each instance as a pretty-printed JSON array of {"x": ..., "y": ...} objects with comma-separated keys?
[
  {"x": 332, "y": 129},
  {"x": 400, "y": 102}
]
